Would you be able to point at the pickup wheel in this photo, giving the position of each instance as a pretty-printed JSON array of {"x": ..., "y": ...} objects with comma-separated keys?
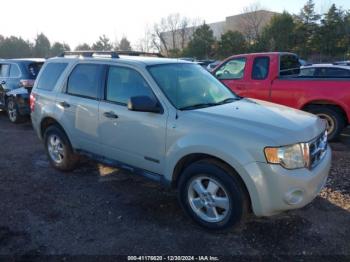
[
  {"x": 12, "y": 111},
  {"x": 59, "y": 149},
  {"x": 212, "y": 195},
  {"x": 334, "y": 119}
]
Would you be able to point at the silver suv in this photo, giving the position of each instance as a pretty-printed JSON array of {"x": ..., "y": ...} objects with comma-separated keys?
[{"x": 173, "y": 122}]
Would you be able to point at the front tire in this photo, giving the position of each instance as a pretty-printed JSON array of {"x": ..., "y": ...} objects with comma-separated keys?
[
  {"x": 12, "y": 111},
  {"x": 212, "y": 195},
  {"x": 59, "y": 149}
]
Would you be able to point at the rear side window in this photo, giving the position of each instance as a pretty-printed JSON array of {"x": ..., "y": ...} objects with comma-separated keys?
[
  {"x": 50, "y": 75},
  {"x": 260, "y": 68},
  {"x": 233, "y": 69},
  {"x": 14, "y": 71},
  {"x": 4, "y": 70},
  {"x": 289, "y": 65},
  {"x": 34, "y": 69},
  {"x": 124, "y": 83},
  {"x": 307, "y": 72},
  {"x": 85, "y": 80},
  {"x": 332, "y": 72}
]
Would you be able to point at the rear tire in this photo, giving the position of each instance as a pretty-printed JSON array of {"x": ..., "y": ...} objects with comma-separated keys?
[
  {"x": 212, "y": 195},
  {"x": 59, "y": 149},
  {"x": 333, "y": 117},
  {"x": 12, "y": 111}
]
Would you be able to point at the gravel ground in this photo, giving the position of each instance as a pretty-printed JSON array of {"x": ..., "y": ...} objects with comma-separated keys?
[{"x": 97, "y": 210}]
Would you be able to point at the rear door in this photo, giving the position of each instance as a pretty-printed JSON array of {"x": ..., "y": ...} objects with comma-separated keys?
[
  {"x": 133, "y": 138},
  {"x": 77, "y": 106}
]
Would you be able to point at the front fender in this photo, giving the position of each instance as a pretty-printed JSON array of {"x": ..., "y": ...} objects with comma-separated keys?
[{"x": 231, "y": 154}]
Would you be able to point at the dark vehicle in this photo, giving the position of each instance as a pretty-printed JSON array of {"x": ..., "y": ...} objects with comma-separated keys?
[
  {"x": 325, "y": 71},
  {"x": 17, "y": 78}
]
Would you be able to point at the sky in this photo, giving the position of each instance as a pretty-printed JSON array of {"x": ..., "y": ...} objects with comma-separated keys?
[{"x": 79, "y": 21}]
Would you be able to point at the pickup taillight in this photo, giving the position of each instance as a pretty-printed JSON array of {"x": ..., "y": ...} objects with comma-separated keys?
[
  {"x": 26, "y": 83},
  {"x": 32, "y": 102}
]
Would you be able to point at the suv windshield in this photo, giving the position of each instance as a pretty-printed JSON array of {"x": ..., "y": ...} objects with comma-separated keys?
[{"x": 189, "y": 86}]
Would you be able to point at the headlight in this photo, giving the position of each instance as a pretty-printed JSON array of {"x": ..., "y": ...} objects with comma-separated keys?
[{"x": 290, "y": 157}]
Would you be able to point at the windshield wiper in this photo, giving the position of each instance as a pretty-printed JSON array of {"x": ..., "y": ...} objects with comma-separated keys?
[
  {"x": 228, "y": 100},
  {"x": 201, "y": 105}
]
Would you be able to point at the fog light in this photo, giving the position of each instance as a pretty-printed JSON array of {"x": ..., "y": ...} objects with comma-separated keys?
[{"x": 294, "y": 197}]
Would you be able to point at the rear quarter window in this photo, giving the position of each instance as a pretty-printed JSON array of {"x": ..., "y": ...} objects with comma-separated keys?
[
  {"x": 289, "y": 65},
  {"x": 50, "y": 75}
]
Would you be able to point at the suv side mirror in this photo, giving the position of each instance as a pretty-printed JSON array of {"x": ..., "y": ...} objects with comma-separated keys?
[{"x": 144, "y": 104}]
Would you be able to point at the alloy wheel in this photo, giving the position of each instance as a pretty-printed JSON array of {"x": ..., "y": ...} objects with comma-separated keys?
[
  {"x": 208, "y": 199},
  {"x": 12, "y": 111},
  {"x": 56, "y": 149}
]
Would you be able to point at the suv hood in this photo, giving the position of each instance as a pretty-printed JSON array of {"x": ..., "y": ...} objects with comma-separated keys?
[{"x": 281, "y": 124}]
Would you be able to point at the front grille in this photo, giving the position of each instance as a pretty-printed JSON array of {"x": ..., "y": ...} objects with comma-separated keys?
[{"x": 317, "y": 149}]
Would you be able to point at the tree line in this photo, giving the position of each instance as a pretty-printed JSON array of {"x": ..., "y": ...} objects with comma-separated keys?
[{"x": 17, "y": 47}]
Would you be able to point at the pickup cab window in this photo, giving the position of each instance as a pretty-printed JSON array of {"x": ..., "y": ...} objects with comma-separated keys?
[
  {"x": 233, "y": 69},
  {"x": 289, "y": 65},
  {"x": 260, "y": 68}
]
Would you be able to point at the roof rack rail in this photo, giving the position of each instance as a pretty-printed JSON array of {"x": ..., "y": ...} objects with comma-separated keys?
[
  {"x": 139, "y": 53},
  {"x": 89, "y": 53}
]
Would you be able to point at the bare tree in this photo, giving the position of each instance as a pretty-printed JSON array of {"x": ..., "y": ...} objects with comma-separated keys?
[
  {"x": 184, "y": 24},
  {"x": 172, "y": 33},
  {"x": 252, "y": 21},
  {"x": 145, "y": 43},
  {"x": 159, "y": 37},
  {"x": 173, "y": 21}
]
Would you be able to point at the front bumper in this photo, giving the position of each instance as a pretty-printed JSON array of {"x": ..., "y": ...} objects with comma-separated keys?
[{"x": 275, "y": 189}]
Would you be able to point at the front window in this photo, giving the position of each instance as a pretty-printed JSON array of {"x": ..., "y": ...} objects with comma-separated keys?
[
  {"x": 189, "y": 86},
  {"x": 233, "y": 69},
  {"x": 124, "y": 83}
]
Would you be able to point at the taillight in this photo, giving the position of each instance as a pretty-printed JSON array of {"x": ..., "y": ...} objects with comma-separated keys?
[
  {"x": 32, "y": 102},
  {"x": 26, "y": 83}
]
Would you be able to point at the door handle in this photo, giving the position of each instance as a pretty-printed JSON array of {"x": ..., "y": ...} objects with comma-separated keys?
[
  {"x": 64, "y": 104},
  {"x": 110, "y": 115}
]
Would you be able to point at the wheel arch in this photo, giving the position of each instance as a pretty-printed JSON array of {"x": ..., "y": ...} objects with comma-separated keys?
[
  {"x": 327, "y": 102},
  {"x": 188, "y": 159},
  {"x": 48, "y": 121}
]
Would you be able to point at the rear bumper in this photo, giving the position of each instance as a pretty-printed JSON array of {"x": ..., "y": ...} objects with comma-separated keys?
[{"x": 277, "y": 189}]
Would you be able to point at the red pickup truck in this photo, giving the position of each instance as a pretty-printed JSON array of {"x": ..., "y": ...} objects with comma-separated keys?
[{"x": 275, "y": 77}]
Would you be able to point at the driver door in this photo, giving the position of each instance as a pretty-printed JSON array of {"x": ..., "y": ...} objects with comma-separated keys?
[{"x": 233, "y": 75}]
